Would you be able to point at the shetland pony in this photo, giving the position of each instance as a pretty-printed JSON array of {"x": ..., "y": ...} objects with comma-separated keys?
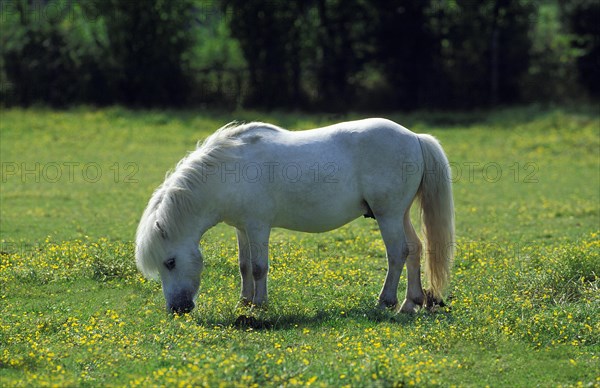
[{"x": 258, "y": 176}]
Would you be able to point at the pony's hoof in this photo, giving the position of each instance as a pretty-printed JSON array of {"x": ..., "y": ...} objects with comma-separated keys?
[
  {"x": 409, "y": 307},
  {"x": 387, "y": 305},
  {"x": 431, "y": 302}
]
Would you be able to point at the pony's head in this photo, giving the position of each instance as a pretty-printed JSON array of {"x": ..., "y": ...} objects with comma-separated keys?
[
  {"x": 166, "y": 250},
  {"x": 169, "y": 232}
]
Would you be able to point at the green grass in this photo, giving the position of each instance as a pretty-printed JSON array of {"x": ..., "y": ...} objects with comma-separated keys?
[{"x": 525, "y": 297}]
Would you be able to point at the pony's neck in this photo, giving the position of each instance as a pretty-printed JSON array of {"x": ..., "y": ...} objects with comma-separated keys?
[
  {"x": 198, "y": 224},
  {"x": 193, "y": 218}
]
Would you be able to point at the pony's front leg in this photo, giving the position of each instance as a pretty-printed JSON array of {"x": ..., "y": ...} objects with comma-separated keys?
[
  {"x": 245, "y": 261},
  {"x": 257, "y": 242},
  {"x": 392, "y": 232}
]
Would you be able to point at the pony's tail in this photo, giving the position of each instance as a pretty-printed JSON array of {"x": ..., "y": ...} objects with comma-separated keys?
[{"x": 435, "y": 196}]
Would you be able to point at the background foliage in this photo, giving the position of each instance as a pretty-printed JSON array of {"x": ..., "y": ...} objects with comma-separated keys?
[{"x": 315, "y": 54}]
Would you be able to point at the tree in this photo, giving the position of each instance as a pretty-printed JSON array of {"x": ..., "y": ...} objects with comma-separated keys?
[
  {"x": 269, "y": 37},
  {"x": 484, "y": 50},
  {"x": 582, "y": 18},
  {"x": 49, "y": 57},
  {"x": 344, "y": 40},
  {"x": 148, "y": 43},
  {"x": 405, "y": 50}
]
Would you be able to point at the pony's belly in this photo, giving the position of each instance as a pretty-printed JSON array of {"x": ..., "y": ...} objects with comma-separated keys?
[{"x": 316, "y": 220}]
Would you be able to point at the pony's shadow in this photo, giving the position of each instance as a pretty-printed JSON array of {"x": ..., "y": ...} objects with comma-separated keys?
[{"x": 323, "y": 318}]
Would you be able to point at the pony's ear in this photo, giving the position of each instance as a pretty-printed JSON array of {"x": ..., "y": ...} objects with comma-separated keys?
[{"x": 163, "y": 234}]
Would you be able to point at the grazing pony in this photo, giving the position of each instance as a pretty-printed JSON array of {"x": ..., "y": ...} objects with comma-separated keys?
[{"x": 257, "y": 176}]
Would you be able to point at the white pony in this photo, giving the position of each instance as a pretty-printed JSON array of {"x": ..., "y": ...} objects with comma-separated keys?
[{"x": 258, "y": 176}]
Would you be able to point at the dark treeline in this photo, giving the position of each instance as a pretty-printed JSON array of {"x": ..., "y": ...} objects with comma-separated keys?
[{"x": 311, "y": 54}]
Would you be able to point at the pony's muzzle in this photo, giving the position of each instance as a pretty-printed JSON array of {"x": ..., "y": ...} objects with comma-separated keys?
[
  {"x": 181, "y": 303},
  {"x": 181, "y": 307}
]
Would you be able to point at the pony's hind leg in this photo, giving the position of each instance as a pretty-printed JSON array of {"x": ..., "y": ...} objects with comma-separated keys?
[
  {"x": 414, "y": 291},
  {"x": 245, "y": 261},
  {"x": 392, "y": 232}
]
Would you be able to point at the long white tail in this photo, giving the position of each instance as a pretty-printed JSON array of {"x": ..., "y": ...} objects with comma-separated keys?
[{"x": 435, "y": 195}]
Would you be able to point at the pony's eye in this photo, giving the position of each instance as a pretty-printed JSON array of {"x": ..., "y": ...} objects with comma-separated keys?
[{"x": 170, "y": 263}]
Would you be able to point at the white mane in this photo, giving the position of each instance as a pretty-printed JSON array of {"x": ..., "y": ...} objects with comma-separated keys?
[{"x": 174, "y": 200}]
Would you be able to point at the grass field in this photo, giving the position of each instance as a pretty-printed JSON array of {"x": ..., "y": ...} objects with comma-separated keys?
[{"x": 524, "y": 297}]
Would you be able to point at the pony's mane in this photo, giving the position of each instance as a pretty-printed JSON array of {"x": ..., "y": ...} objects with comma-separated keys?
[{"x": 174, "y": 200}]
